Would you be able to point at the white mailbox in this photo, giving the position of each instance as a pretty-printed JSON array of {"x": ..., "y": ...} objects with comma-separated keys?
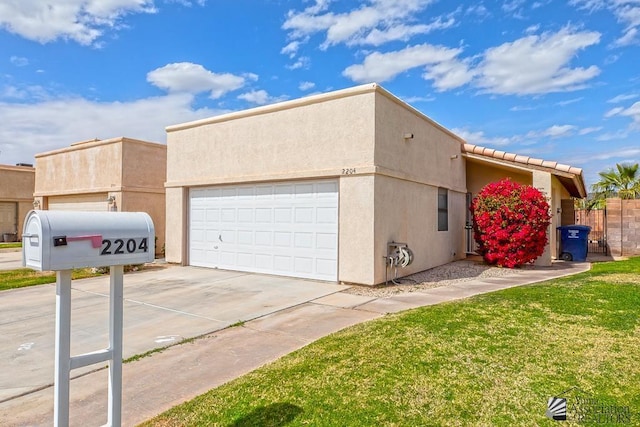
[{"x": 62, "y": 240}]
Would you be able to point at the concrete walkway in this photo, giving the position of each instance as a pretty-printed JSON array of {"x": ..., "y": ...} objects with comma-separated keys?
[{"x": 154, "y": 384}]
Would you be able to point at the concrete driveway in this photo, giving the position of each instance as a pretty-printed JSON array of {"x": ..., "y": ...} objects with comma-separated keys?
[
  {"x": 162, "y": 306},
  {"x": 10, "y": 260}
]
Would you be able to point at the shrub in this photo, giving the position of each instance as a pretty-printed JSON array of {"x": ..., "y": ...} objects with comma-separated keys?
[{"x": 510, "y": 223}]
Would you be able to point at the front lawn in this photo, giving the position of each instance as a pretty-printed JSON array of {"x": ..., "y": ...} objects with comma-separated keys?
[
  {"x": 22, "y": 277},
  {"x": 491, "y": 360},
  {"x": 10, "y": 245}
]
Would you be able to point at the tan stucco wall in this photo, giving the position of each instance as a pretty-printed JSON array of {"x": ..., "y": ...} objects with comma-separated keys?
[
  {"x": 177, "y": 201},
  {"x": 356, "y": 135},
  {"x": 131, "y": 171},
  {"x": 151, "y": 203},
  {"x": 83, "y": 168},
  {"x": 432, "y": 156},
  {"x": 481, "y": 174},
  {"x": 17, "y": 184},
  {"x": 407, "y": 212},
  {"x": 305, "y": 138},
  {"x": 356, "y": 238}
]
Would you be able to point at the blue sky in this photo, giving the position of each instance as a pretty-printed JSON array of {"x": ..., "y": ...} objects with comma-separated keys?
[{"x": 558, "y": 80}]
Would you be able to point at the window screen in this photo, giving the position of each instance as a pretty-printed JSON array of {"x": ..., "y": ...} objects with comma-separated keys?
[{"x": 443, "y": 209}]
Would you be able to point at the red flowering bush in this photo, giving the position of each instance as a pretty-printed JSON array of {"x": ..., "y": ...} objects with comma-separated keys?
[{"x": 510, "y": 223}]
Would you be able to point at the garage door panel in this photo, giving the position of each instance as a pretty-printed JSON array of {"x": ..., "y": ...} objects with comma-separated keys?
[
  {"x": 80, "y": 202},
  {"x": 286, "y": 228}
]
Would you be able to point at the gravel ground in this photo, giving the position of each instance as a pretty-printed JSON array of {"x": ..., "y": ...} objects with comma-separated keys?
[{"x": 444, "y": 275}]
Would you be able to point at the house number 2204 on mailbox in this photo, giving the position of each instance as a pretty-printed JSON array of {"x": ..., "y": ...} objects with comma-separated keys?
[{"x": 124, "y": 246}]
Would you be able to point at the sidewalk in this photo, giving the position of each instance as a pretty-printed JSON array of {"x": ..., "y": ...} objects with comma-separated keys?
[{"x": 154, "y": 384}]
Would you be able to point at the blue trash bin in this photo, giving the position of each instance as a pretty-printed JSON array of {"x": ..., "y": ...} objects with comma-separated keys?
[{"x": 574, "y": 241}]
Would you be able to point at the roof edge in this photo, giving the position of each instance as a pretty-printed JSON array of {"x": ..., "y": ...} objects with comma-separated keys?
[
  {"x": 279, "y": 106},
  {"x": 555, "y": 168},
  {"x": 81, "y": 145}
]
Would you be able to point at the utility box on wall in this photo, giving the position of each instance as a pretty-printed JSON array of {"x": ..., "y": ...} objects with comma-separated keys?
[{"x": 63, "y": 240}]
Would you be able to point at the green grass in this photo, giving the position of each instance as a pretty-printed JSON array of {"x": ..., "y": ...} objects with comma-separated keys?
[
  {"x": 22, "y": 277},
  {"x": 491, "y": 360},
  {"x": 10, "y": 245}
]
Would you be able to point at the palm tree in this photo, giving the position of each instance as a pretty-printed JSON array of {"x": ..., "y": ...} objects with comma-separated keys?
[{"x": 623, "y": 182}]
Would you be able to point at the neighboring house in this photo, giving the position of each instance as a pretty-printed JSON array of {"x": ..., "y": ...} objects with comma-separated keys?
[
  {"x": 317, "y": 187},
  {"x": 118, "y": 174},
  {"x": 16, "y": 199}
]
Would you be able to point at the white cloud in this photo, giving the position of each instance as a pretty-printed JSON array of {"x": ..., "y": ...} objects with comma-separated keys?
[
  {"x": 401, "y": 32},
  {"x": 448, "y": 74},
  {"x": 613, "y": 112},
  {"x": 32, "y": 128},
  {"x": 557, "y": 131},
  {"x": 512, "y": 6},
  {"x": 537, "y": 64},
  {"x": 506, "y": 69},
  {"x": 627, "y": 12},
  {"x": 613, "y": 136},
  {"x": 634, "y": 113},
  {"x": 380, "y": 67},
  {"x": 19, "y": 61},
  {"x": 623, "y": 97},
  {"x": 260, "y": 97},
  {"x": 306, "y": 86},
  {"x": 83, "y": 21},
  {"x": 532, "y": 29},
  {"x": 569, "y": 101},
  {"x": 301, "y": 62},
  {"x": 628, "y": 38},
  {"x": 479, "y": 138},
  {"x": 194, "y": 78},
  {"x": 24, "y": 92},
  {"x": 373, "y": 22},
  {"x": 291, "y": 49},
  {"x": 586, "y": 131}
]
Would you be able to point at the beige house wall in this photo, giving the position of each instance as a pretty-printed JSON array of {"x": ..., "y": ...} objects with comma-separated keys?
[
  {"x": 131, "y": 171},
  {"x": 480, "y": 174},
  {"x": 177, "y": 201},
  {"x": 310, "y": 137},
  {"x": 356, "y": 230},
  {"x": 88, "y": 167},
  {"x": 17, "y": 184},
  {"x": 407, "y": 212}
]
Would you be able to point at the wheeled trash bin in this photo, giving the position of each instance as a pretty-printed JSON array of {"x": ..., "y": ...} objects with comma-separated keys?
[{"x": 574, "y": 241}]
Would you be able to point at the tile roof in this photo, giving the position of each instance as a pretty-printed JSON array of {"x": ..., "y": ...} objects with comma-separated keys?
[
  {"x": 517, "y": 158},
  {"x": 570, "y": 176}
]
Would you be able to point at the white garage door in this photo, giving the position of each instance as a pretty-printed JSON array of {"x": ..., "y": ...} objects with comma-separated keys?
[
  {"x": 288, "y": 229},
  {"x": 80, "y": 202}
]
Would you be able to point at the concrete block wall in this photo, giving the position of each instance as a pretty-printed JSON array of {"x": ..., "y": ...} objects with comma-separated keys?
[{"x": 623, "y": 227}]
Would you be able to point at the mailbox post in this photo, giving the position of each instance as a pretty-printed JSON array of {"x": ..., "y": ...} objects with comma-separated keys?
[{"x": 62, "y": 241}]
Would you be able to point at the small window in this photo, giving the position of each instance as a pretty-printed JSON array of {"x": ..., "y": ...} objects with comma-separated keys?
[{"x": 443, "y": 209}]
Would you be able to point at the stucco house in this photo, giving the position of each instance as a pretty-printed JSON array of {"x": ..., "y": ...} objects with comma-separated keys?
[
  {"x": 118, "y": 174},
  {"x": 317, "y": 187},
  {"x": 16, "y": 198}
]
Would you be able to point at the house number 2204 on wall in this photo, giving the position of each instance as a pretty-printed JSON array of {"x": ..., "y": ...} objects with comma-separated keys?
[
  {"x": 124, "y": 246},
  {"x": 348, "y": 171}
]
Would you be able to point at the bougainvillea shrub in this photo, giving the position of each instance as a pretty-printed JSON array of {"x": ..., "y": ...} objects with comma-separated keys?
[{"x": 510, "y": 223}]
